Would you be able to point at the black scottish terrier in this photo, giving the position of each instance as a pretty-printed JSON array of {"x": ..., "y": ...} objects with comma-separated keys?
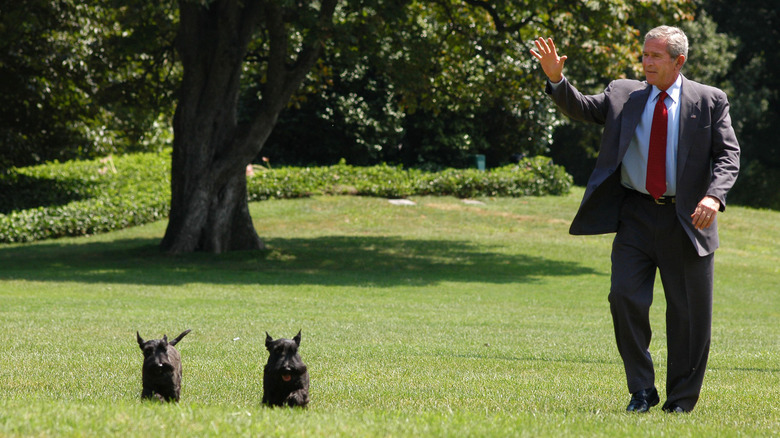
[
  {"x": 286, "y": 378},
  {"x": 161, "y": 377}
]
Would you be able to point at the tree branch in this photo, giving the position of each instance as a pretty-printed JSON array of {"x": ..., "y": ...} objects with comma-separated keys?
[
  {"x": 283, "y": 80},
  {"x": 501, "y": 26}
]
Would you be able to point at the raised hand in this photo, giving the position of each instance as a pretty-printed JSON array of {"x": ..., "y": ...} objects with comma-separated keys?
[{"x": 551, "y": 63}]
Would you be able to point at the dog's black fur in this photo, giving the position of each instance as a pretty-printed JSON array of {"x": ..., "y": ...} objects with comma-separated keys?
[
  {"x": 286, "y": 378},
  {"x": 161, "y": 372}
]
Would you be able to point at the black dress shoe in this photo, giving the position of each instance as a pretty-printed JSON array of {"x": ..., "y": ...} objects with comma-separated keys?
[
  {"x": 673, "y": 408},
  {"x": 643, "y": 400}
]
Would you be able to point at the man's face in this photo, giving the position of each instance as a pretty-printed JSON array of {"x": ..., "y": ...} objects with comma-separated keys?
[{"x": 660, "y": 68}]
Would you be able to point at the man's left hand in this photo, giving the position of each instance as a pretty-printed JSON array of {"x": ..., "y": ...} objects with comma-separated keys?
[{"x": 704, "y": 215}]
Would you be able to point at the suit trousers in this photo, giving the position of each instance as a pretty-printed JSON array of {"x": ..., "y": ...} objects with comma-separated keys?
[{"x": 651, "y": 238}]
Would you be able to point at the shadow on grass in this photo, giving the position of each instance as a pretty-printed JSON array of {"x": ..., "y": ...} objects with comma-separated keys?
[{"x": 337, "y": 260}]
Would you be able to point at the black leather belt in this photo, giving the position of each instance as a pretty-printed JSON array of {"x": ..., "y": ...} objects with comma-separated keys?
[{"x": 663, "y": 200}]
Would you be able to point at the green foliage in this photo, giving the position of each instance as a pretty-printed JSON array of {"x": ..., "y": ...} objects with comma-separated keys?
[
  {"x": 84, "y": 79},
  {"x": 531, "y": 177},
  {"x": 83, "y": 197},
  {"x": 711, "y": 53},
  {"x": 429, "y": 84},
  {"x": 537, "y": 176},
  {"x": 757, "y": 185},
  {"x": 87, "y": 197}
]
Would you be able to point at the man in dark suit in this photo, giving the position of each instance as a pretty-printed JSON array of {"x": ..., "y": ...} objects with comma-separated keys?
[{"x": 668, "y": 157}]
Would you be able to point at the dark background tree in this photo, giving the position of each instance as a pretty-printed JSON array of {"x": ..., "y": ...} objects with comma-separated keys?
[
  {"x": 84, "y": 79},
  {"x": 754, "y": 26}
]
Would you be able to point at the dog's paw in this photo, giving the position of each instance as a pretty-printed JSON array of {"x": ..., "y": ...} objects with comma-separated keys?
[{"x": 297, "y": 398}]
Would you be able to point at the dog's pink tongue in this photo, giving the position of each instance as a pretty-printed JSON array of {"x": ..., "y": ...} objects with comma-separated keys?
[{"x": 286, "y": 377}]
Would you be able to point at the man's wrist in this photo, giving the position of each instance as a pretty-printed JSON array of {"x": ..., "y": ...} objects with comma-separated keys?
[
  {"x": 554, "y": 84},
  {"x": 716, "y": 201}
]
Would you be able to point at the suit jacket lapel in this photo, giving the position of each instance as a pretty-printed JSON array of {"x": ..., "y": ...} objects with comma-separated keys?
[
  {"x": 632, "y": 114},
  {"x": 690, "y": 113}
]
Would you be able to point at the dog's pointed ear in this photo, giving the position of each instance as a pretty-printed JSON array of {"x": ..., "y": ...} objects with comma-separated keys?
[
  {"x": 140, "y": 340},
  {"x": 165, "y": 338},
  {"x": 268, "y": 341},
  {"x": 297, "y": 338}
]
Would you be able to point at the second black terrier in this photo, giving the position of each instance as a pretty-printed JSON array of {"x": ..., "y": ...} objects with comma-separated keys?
[
  {"x": 285, "y": 378},
  {"x": 161, "y": 373}
]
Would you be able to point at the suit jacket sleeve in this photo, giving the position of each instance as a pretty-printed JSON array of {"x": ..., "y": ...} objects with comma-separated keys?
[
  {"x": 725, "y": 151},
  {"x": 576, "y": 105}
]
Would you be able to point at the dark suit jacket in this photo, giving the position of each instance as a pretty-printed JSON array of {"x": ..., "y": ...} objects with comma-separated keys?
[{"x": 707, "y": 152}]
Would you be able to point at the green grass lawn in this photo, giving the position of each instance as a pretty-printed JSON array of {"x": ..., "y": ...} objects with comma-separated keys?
[{"x": 439, "y": 319}]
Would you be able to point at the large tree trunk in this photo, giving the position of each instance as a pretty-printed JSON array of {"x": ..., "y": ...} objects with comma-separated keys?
[{"x": 209, "y": 210}]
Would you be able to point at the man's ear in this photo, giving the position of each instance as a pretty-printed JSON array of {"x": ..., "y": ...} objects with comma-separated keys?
[{"x": 680, "y": 61}]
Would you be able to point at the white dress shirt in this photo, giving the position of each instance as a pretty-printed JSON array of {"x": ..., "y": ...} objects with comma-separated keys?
[{"x": 634, "y": 168}]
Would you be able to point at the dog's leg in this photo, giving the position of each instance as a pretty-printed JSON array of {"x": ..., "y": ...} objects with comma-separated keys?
[
  {"x": 151, "y": 394},
  {"x": 147, "y": 393},
  {"x": 298, "y": 398}
]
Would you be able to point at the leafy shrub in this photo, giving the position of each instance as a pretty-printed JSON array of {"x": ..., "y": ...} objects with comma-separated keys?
[
  {"x": 104, "y": 195},
  {"x": 536, "y": 176},
  {"x": 87, "y": 197},
  {"x": 531, "y": 177}
]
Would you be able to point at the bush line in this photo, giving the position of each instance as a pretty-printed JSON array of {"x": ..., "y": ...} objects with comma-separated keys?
[{"x": 86, "y": 197}]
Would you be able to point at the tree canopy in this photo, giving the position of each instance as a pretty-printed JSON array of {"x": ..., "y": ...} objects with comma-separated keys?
[
  {"x": 84, "y": 79},
  {"x": 430, "y": 83}
]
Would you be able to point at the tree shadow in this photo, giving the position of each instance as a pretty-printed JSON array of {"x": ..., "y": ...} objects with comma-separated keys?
[{"x": 328, "y": 260}]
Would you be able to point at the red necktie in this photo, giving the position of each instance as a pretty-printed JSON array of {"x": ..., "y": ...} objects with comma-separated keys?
[{"x": 656, "y": 155}]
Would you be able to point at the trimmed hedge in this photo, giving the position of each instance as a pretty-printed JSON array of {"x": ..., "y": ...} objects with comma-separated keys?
[
  {"x": 84, "y": 197},
  {"x": 536, "y": 176},
  {"x": 87, "y": 197}
]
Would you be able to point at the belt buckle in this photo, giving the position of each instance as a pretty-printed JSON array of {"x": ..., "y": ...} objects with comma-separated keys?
[{"x": 659, "y": 201}]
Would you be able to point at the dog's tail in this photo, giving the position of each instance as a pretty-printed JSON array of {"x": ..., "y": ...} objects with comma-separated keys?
[{"x": 179, "y": 338}]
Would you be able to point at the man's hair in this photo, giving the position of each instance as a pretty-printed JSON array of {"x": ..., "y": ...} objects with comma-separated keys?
[{"x": 676, "y": 41}]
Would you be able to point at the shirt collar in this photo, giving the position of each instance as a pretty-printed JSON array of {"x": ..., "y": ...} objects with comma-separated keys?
[{"x": 673, "y": 91}]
